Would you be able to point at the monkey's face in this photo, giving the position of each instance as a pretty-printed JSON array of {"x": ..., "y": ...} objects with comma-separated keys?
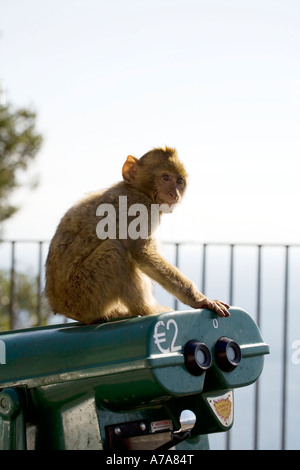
[
  {"x": 159, "y": 174},
  {"x": 168, "y": 188}
]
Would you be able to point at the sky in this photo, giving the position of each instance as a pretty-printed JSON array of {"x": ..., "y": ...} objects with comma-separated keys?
[{"x": 219, "y": 80}]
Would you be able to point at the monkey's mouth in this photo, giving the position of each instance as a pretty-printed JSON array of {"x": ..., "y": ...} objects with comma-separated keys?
[
  {"x": 165, "y": 206},
  {"x": 161, "y": 201}
]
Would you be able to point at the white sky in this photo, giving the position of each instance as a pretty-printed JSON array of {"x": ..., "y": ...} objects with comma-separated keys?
[{"x": 218, "y": 80}]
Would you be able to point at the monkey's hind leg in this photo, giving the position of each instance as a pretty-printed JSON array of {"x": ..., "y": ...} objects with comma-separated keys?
[
  {"x": 108, "y": 284},
  {"x": 138, "y": 296}
]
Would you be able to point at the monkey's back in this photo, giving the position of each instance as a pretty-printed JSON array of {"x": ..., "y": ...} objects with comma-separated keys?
[{"x": 76, "y": 239}]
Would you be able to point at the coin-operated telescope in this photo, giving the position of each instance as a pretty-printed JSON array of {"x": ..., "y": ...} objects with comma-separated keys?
[{"x": 126, "y": 384}]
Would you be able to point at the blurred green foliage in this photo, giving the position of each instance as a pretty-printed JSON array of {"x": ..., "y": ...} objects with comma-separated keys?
[
  {"x": 25, "y": 304},
  {"x": 19, "y": 144}
]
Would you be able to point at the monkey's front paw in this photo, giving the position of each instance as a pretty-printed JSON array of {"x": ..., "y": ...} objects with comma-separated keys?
[
  {"x": 220, "y": 308},
  {"x": 217, "y": 306}
]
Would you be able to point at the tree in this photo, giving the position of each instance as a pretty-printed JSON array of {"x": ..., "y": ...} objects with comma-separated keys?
[{"x": 19, "y": 144}]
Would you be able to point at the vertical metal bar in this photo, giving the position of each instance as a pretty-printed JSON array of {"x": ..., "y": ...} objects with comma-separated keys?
[
  {"x": 231, "y": 269},
  {"x": 258, "y": 300},
  {"x": 284, "y": 355},
  {"x": 12, "y": 320},
  {"x": 203, "y": 288},
  {"x": 258, "y": 304},
  {"x": 231, "y": 275},
  {"x": 39, "y": 279},
  {"x": 177, "y": 265}
]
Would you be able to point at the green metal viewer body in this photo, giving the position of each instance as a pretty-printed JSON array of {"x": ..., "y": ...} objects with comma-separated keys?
[{"x": 124, "y": 384}]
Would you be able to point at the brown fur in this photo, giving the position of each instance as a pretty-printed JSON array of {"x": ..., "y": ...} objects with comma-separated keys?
[{"x": 88, "y": 279}]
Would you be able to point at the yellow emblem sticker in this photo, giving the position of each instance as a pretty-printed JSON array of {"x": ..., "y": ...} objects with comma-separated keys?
[{"x": 222, "y": 406}]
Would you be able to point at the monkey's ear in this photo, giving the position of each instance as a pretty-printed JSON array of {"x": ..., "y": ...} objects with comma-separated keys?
[{"x": 129, "y": 169}]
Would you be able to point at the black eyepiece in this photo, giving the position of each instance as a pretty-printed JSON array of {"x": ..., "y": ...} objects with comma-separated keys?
[
  {"x": 227, "y": 354},
  {"x": 197, "y": 357}
]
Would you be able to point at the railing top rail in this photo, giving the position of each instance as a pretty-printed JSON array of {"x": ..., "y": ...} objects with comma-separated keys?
[{"x": 184, "y": 242}]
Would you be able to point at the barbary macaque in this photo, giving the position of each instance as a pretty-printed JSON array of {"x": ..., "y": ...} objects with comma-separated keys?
[{"x": 94, "y": 274}]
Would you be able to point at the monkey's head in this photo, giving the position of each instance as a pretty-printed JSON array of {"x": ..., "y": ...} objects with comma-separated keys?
[{"x": 159, "y": 174}]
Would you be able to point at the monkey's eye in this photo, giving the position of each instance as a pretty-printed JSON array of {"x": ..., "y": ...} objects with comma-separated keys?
[
  {"x": 180, "y": 180},
  {"x": 165, "y": 177}
]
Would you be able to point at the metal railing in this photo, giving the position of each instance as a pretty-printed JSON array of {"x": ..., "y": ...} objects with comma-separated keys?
[
  {"x": 205, "y": 273},
  {"x": 12, "y": 269}
]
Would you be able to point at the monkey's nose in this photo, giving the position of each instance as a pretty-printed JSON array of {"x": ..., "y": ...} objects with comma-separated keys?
[{"x": 173, "y": 195}]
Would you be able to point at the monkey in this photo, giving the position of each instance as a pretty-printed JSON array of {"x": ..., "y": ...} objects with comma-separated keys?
[{"x": 95, "y": 275}]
